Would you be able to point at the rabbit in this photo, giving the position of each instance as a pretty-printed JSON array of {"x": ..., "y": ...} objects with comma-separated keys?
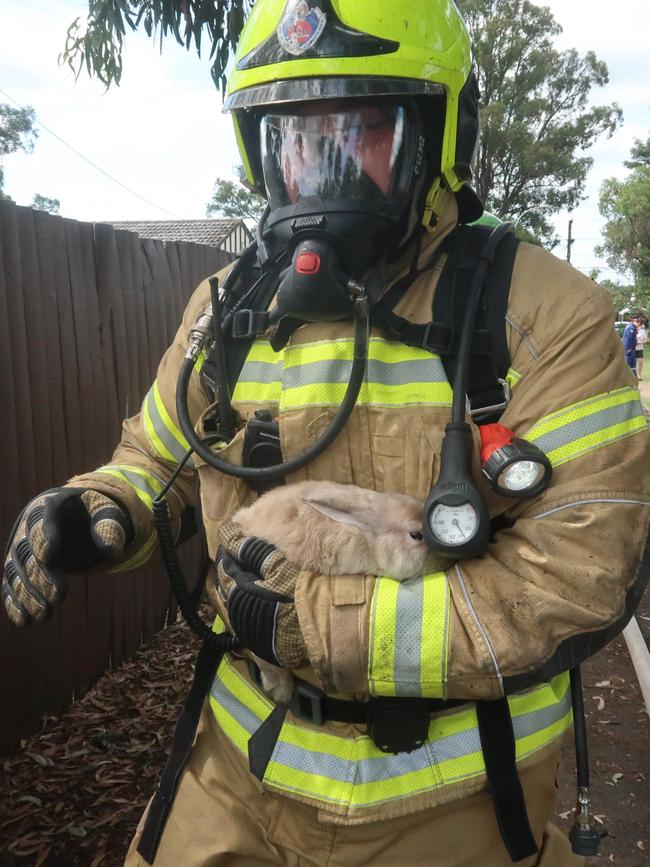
[{"x": 336, "y": 529}]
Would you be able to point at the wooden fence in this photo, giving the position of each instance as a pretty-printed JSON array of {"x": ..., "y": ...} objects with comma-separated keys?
[{"x": 86, "y": 312}]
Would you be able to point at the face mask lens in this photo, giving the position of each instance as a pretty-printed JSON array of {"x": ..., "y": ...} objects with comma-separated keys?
[{"x": 357, "y": 154}]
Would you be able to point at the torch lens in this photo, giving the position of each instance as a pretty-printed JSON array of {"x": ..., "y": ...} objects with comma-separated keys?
[{"x": 521, "y": 475}]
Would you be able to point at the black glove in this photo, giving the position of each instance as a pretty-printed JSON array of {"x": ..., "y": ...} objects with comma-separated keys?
[
  {"x": 62, "y": 531},
  {"x": 256, "y": 582}
]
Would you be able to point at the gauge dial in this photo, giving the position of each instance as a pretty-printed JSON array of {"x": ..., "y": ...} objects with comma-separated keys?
[{"x": 454, "y": 525}]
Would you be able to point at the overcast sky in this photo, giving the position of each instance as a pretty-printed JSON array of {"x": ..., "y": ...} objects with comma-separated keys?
[{"x": 162, "y": 133}]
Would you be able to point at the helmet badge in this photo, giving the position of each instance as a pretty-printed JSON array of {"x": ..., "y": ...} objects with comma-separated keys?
[{"x": 301, "y": 27}]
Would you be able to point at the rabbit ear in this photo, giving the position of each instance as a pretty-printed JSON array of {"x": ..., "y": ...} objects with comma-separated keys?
[{"x": 341, "y": 503}]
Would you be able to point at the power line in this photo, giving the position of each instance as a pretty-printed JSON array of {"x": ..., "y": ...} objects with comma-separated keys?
[{"x": 90, "y": 162}]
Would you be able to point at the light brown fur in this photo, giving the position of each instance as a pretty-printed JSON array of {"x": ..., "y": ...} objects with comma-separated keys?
[{"x": 335, "y": 529}]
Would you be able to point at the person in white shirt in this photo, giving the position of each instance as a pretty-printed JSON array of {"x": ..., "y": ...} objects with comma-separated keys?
[{"x": 641, "y": 340}]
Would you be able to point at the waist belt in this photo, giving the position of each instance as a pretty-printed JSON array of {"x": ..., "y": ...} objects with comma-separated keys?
[
  {"x": 392, "y": 723},
  {"x": 396, "y": 725},
  {"x": 399, "y": 725}
]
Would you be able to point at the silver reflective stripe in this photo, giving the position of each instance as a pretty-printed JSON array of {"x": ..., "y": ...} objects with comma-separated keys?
[
  {"x": 408, "y": 634},
  {"x": 237, "y": 709},
  {"x": 169, "y": 441},
  {"x": 589, "y": 424},
  {"x": 138, "y": 481},
  {"x": 379, "y": 372},
  {"x": 386, "y": 767},
  {"x": 261, "y": 372}
]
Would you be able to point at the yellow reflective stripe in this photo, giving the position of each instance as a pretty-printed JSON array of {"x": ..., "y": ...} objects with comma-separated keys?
[
  {"x": 409, "y": 637},
  {"x": 431, "y": 394},
  {"x": 168, "y": 421},
  {"x": 591, "y": 442},
  {"x": 588, "y": 425},
  {"x": 575, "y": 411},
  {"x": 157, "y": 445},
  {"x": 383, "y": 622},
  {"x": 379, "y": 349},
  {"x": 435, "y": 635},
  {"x": 200, "y": 361},
  {"x": 139, "y": 558},
  {"x": 144, "y": 484},
  {"x": 260, "y": 380},
  {"x": 253, "y": 392},
  {"x": 351, "y": 772},
  {"x": 262, "y": 351},
  {"x": 512, "y": 378}
]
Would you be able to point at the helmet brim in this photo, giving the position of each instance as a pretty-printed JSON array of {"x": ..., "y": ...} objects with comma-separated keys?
[{"x": 307, "y": 89}]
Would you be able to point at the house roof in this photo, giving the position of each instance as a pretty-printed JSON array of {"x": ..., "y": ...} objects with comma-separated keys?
[{"x": 212, "y": 232}]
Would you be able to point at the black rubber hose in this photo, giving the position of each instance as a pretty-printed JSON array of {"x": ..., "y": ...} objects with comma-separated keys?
[
  {"x": 579, "y": 728},
  {"x": 222, "y": 642},
  {"x": 485, "y": 259},
  {"x": 272, "y": 474}
]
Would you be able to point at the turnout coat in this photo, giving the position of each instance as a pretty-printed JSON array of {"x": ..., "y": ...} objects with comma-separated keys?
[{"x": 560, "y": 578}]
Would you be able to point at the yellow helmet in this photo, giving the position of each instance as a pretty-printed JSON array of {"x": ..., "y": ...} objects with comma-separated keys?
[{"x": 306, "y": 50}]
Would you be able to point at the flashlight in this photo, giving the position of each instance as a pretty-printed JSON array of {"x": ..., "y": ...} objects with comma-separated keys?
[{"x": 513, "y": 466}]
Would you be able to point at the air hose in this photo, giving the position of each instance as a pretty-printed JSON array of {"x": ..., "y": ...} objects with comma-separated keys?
[
  {"x": 220, "y": 643},
  {"x": 255, "y": 475}
]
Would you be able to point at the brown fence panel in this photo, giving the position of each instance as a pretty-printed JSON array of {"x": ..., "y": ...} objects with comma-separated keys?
[{"x": 85, "y": 315}]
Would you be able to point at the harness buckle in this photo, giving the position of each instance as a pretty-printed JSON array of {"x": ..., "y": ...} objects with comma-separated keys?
[
  {"x": 249, "y": 323},
  {"x": 306, "y": 702},
  {"x": 398, "y": 725},
  {"x": 496, "y": 407}
]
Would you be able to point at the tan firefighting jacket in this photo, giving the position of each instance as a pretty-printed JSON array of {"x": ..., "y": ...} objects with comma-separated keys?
[{"x": 551, "y": 589}]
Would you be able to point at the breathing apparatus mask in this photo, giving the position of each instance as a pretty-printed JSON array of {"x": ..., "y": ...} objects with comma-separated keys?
[{"x": 340, "y": 179}]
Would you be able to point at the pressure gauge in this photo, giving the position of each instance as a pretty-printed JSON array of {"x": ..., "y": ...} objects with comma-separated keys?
[
  {"x": 455, "y": 520},
  {"x": 518, "y": 469},
  {"x": 454, "y": 525}
]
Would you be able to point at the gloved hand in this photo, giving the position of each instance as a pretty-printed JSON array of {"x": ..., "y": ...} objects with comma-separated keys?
[
  {"x": 256, "y": 583},
  {"x": 62, "y": 531}
]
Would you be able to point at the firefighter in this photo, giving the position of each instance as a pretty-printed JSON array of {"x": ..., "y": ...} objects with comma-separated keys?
[{"x": 361, "y": 119}]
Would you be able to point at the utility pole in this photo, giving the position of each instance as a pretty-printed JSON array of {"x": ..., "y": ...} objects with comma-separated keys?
[{"x": 570, "y": 241}]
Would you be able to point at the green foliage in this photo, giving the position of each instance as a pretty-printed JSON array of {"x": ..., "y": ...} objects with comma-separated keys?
[
  {"x": 536, "y": 117},
  {"x": 43, "y": 203},
  {"x": 97, "y": 42},
  {"x": 17, "y": 133},
  {"x": 231, "y": 199},
  {"x": 626, "y": 207}
]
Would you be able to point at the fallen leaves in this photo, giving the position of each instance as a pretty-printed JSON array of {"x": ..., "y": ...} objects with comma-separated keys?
[{"x": 73, "y": 795}]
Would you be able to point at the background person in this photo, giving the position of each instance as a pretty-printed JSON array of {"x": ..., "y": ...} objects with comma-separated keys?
[{"x": 641, "y": 340}]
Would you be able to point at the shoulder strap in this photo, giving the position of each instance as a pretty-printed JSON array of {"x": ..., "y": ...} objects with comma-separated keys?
[
  {"x": 245, "y": 317},
  {"x": 490, "y": 360}
]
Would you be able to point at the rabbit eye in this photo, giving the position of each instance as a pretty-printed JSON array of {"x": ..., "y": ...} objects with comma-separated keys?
[{"x": 416, "y": 535}]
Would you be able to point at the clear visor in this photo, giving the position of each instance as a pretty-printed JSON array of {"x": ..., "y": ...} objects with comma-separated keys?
[{"x": 358, "y": 153}]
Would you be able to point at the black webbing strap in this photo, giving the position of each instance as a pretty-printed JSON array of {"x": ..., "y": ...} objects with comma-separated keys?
[
  {"x": 490, "y": 358},
  {"x": 389, "y": 720},
  {"x": 503, "y": 784},
  {"x": 207, "y": 663}
]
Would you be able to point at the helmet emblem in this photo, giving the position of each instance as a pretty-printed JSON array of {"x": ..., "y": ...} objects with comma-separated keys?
[{"x": 301, "y": 27}]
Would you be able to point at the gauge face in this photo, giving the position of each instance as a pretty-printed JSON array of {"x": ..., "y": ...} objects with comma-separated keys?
[
  {"x": 454, "y": 525},
  {"x": 520, "y": 475}
]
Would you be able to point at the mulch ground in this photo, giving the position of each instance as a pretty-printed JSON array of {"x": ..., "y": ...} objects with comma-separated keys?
[{"x": 73, "y": 794}]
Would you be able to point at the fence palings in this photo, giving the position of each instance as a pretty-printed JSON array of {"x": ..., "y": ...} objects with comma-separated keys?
[{"x": 86, "y": 313}]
